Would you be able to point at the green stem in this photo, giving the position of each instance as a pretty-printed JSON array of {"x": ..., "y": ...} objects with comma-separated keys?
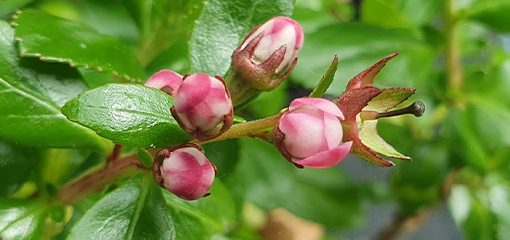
[
  {"x": 249, "y": 129},
  {"x": 453, "y": 64},
  {"x": 94, "y": 182}
]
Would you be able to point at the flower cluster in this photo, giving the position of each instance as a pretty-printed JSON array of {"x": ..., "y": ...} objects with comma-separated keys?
[{"x": 312, "y": 132}]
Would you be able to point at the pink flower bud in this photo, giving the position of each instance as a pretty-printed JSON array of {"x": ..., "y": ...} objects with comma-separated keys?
[
  {"x": 185, "y": 172},
  {"x": 276, "y": 33},
  {"x": 265, "y": 58},
  {"x": 310, "y": 134},
  {"x": 202, "y": 106},
  {"x": 165, "y": 80}
]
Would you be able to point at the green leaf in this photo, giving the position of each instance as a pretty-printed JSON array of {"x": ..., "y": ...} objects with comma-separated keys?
[
  {"x": 326, "y": 80},
  {"x": 399, "y": 13},
  {"x": 412, "y": 183},
  {"x": 22, "y": 218},
  {"x": 161, "y": 23},
  {"x": 31, "y": 94},
  {"x": 17, "y": 165},
  {"x": 470, "y": 214},
  {"x": 267, "y": 104},
  {"x": 204, "y": 217},
  {"x": 499, "y": 196},
  {"x": 493, "y": 13},
  {"x": 131, "y": 115},
  {"x": 145, "y": 157},
  {"x": 57, "y": 165},
  {"x": 358, "y": 46},
  {"x": 8, "y": 6},
  {"x": 221, "y": 27},
  {"x": 63, "y": 41},
  {"x": 369, "y": 136},
  {"x": 265, "y": 178},
  {"x": 224, "y": 154},
  {"x": 136, "y": 210}
]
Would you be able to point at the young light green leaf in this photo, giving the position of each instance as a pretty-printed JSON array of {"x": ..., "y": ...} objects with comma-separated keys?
[
  {"x": 136, "y": 210},
  {"x": 326, "y": 80},
  {"x": 223, "y": 25},
  {"x": 132, "y": 115},
  {"x": 63, "y": 41},
  {"x": 31, "y": 94}
]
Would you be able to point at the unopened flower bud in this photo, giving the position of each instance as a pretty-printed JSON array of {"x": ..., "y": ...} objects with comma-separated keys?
[
  {"x": 165, "y": 80},
  {"x": 265, "y": 57},
  {"x": 185, "y": 172},
  {"x": 310, "y": 134},
  {"x": 202, "y": 106}
]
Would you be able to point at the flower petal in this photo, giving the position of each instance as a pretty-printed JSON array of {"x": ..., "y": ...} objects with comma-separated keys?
[
  {"x": 327, "y": 158},
  {"x": 164, "y": 78},
  {"x": 319, "y": 103}
]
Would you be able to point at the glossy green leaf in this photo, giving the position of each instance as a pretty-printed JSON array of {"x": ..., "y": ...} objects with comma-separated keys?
[
  {"x": 221, "y": 27},
  {"x": 31, "y": 94},
  {"x": 223, "y": 154},
  {"x": 136, "y": 210},
  {"x": 17, "y": 165},
  {"x": 265, "y": 178},
  {"x": 59, "y": 40},
  {"x": 131, "y": 115},
  {"x": 22, "y": 218},
  {"x": 493, "y": 13},
  {"x": 358, "y": 46},
  {"x": 204, "y": 217},
  {"x": 326, "y": 80}
]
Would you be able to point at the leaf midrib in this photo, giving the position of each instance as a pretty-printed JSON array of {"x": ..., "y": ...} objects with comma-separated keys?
[
  {"x": 41, "y": 102},
  {"x": 139, "y": 206},
  {"x": 148, "y": 114}
]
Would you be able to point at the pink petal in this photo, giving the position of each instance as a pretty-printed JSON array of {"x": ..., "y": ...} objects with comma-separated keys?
[
  {"x": 327, "y": 158},
  {"x": 164, "y": 78},
  {"x": 322, "y": 104}
]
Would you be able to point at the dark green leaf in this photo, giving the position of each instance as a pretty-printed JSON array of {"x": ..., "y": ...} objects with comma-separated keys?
[
  {"x": 17, "y": 165},
  {"x": 202, "y": 218},
  {"x": 59, "y": 40},
  {"x": 268, "y": 180},
  {"x": 358, "y": 46},
  {"x": 224, "y": 154},
  {"x": 326, "y": 80},
  {"x": 131, "y": 115},
  {"x": 493, "y": 13},
  {"x": 31, "y": 94},
  {"x": 223, "y": 25},
  {"x": 136, "y": 210}
]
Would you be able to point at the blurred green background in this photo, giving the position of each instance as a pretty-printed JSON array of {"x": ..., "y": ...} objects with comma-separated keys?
[{"x": 455, "y": 52}]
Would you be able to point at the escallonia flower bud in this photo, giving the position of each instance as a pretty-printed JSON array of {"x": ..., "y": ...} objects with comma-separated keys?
[
  {"x": 184, "y": 171},
  {"x": 265, "y": 57},
  {"x": 310, "y": 134},
  {"x": 202, "y": 106},
  {"x": 167, "y": 81}
]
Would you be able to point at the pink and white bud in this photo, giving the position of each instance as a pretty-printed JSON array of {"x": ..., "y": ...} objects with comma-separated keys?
[
  {"x": 265, "y": 58},
  {"x": 165, "y": 80},
  {"x": 310, "y": 134},
  {"x": 276, "y": 33},
  {"x": 185, "y": 172},
  {"x": 202, "y": 106}
]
